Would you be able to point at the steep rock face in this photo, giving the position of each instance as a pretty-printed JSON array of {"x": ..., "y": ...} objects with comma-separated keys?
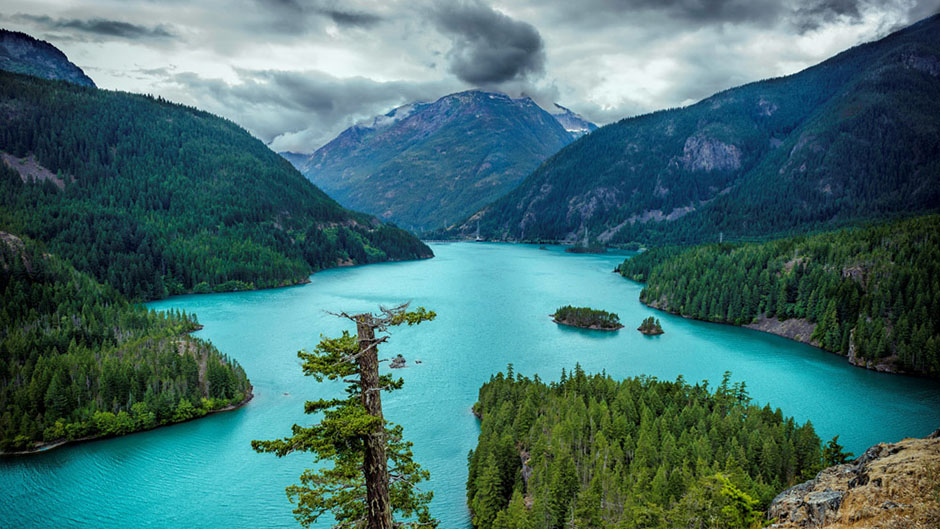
[
  {"x": 767, "y": 158},
  {"x": 20, "y": 53},
  {"x": 426, "y": 165},
  {"x": 890, "y": 485}
]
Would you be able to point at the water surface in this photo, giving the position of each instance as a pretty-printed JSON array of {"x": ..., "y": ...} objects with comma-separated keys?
[{"x": 493, "y": 302}]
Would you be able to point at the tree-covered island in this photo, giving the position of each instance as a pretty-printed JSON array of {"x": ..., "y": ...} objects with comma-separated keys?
[
  {"x": 650, "y": 327},
  {"x": 587, "y": 318}
]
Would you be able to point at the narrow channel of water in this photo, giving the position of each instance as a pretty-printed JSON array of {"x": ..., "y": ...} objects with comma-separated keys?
[{"x": 493, "y": 302}]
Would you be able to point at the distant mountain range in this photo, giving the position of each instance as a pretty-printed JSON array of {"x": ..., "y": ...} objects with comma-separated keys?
[
  {"x": 21, "y": 53},
  {"x": 427, "y": 165},
  {"x": 854, "y": 138}
]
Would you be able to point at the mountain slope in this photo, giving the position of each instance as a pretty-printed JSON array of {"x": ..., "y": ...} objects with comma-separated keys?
[
  {"x": 855, "y": 137},
  {"x": 869, "y": 294},
  {"x": 576, "y": 125},
  {"x": 20, "y": 53},
  {"x": 426, "y": 165},
  {"x": 156, "y": 198},
  {"x": 78, "y": 361}
]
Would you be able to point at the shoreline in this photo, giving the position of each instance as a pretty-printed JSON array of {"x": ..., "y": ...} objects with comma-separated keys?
[
  {"x": 754, "y": 326},
  {"x": 288, "y": 284},
  {"x": 591, "y": 328},
  {"x": 49, "y": 446}
]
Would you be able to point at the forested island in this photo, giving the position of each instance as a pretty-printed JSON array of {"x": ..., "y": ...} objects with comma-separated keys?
[
  {"x": 78, "y": 361},
  {"x": 871, "y": 294},
  {"x": 650, "y": 327},
  {"x": 587, "y": 318},
  {"x": 591, "y": 451}
]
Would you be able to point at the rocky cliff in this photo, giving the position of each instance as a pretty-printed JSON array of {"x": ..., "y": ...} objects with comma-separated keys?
[{"x": 892, "y": 485}]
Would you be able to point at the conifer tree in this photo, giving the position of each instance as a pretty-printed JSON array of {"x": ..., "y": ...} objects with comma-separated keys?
[{"x": 372, "y": 477}]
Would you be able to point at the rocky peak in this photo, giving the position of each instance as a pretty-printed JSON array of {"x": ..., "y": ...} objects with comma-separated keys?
[{"x": 21, "y": 53}]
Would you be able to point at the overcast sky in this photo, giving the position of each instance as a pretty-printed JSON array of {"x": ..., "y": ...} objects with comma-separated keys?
[{"x": 297, "y": 72}]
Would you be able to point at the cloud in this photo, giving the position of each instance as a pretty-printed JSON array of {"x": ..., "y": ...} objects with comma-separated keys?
[
  {"x": 102, "y": 27},
  {"x": 489, "y": 47},
  {"x": 295, "y": 15},
  {"x": 298, "y": 111},
  {"x": 350, "y": 18}
]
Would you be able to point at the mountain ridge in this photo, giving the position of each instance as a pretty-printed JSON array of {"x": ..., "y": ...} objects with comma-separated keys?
[
  {"x": 424, "y": 165},
  {"x": 159, "y": 199},
  {"x": 22, "y": 53},
  {"x": 766, "y": 158}
]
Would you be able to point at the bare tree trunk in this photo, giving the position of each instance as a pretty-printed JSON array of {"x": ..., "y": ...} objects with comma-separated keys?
[{"x": 375, "y": 460}]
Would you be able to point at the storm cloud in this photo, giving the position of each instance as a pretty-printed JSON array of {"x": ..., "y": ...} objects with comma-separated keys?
[
  {"x": 297, "y": 72},
  {"x": 488, "y": 46},
  {"x": 293, "y": 110},
  {"x": 102, "y": 27}
]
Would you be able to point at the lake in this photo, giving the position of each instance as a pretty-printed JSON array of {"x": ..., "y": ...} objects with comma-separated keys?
[{"x": 493, "y": 302}]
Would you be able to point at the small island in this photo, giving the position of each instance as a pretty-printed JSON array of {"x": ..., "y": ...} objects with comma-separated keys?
[
  {"x": 650, "y": 327},
  {"x": 587, "y": 318},
  {"x": 593, "y": 248}
]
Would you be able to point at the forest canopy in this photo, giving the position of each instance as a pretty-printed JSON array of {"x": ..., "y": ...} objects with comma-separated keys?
[
  {"x": 872, "y": 293},
  {"x": 590, "y": 451},
  {"x": 77, "y": 360},
  {"x": 155, "y": 198}
]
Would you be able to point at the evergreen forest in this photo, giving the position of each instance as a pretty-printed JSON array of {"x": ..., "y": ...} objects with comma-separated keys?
[
  {"x": 155, "y": 198},
  {"x": 590, "y": 451},
  {"x": 78, "y": 360},
  {"x": 871, "y": 293}
]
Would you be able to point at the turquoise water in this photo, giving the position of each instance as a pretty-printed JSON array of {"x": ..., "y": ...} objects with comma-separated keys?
[{"x": 493, "y": 303}]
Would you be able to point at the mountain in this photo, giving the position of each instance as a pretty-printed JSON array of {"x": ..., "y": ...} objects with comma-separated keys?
[
  {"x": 856, "y": 137},
  {"x": 21, "y": 53},
  {"x": 426, "y": 165},
  {"x": 155, "y": 198},
  {"x": 78, "y": 361},
  {"x": 574, "y": 123}
]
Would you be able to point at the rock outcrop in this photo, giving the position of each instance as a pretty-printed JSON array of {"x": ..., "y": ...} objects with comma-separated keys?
[{"x": 890, "y": 485}]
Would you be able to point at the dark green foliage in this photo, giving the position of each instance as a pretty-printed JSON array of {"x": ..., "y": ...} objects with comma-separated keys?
[
  {"x": 856, "y": 137},
  {"x": 349, "y": 429},
  {"x": 834, "y": 453},
  {"x": 874, "y": 291},
  {"x": 161, "y": 199},
  {"x": 441, "y": 162},
  {"x": 589, "y": 451},
  {"x": 587, "y": 317},
  {"x": 77, "y": 360},
  {"x": 650, "y": 325}
]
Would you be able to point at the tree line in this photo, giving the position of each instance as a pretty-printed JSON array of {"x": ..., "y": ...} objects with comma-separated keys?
[
  {"x": 590, "y": 451},
  {"x": 78, "y": 360},
  {"x": 161, "y": 199},
  {"x": 872, "y": 292}
]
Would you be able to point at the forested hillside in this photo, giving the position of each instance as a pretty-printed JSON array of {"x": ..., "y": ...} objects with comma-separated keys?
[
  {"x": 77, "y": 360},
  {"x": 872, "y": 294},
  {"x": 854, "y": 138},
  {"x": 155, "y": 198},
  {"x": 590, "y": 451}
]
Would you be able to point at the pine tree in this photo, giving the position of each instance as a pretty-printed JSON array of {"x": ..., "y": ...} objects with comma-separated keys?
[{"x": 373, "y": 477}]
